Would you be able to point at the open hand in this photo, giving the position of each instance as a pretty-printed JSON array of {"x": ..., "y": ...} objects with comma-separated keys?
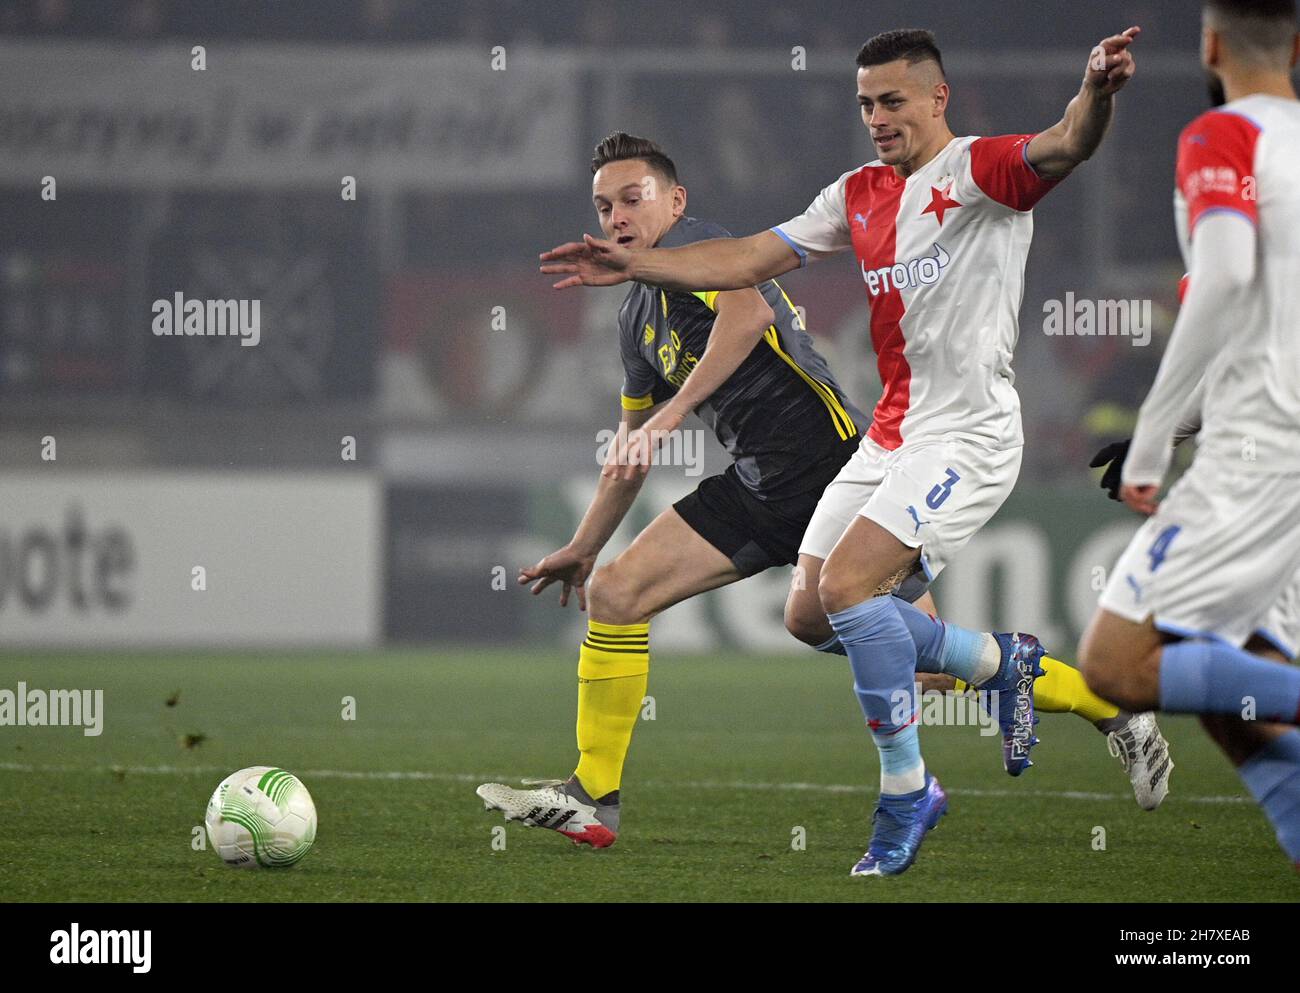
[
  {"x": 590, "y": 262},
  {"x": 569, "y": 566}
]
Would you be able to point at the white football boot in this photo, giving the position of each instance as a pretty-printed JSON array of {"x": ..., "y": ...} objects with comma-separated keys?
[
  {"x": 1135, "y": 740},
  {"x": 561, "y": 805}
]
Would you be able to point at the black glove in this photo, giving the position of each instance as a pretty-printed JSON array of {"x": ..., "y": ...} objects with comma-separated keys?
[{"x": 1114, "y": 453}]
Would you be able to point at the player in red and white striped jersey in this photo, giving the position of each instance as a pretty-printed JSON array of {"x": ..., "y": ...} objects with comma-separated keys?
[{"x": 940, "y": 227}]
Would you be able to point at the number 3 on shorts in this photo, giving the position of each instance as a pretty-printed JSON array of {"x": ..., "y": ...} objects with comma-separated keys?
[{"x": 934, "y": 500}]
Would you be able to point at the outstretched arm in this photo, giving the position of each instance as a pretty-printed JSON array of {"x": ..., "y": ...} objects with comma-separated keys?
[
  {"x": 1223, "y": 267},
  {"x": 1055, "y": 152},
  {"x": 716, "y": 264}
]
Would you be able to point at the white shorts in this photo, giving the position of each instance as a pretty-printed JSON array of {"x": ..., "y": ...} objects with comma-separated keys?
[
  {"x": 1281, "y": 625},
  {"x": 931, "y": 495},
  {"x": 1218, "y": 559}
]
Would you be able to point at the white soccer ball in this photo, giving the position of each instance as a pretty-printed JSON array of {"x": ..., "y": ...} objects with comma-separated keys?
[{"x": 261, "y": 816}]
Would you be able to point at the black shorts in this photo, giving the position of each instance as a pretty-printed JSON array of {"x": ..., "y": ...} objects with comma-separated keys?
[{"x": 755, "y": 534}]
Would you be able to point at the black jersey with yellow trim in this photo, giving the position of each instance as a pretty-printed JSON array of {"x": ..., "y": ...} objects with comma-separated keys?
[{"x": 780, "y": 412}]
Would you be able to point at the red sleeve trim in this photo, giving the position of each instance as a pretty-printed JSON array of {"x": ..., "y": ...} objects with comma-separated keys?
[
  {"x": 1216, "y": 166},
  {"x": 1000, "y": 167}
]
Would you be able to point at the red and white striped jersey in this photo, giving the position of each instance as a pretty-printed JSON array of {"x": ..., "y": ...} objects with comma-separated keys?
[
  {"x": 942, "y": 258},
  {"x": 1242, "y": 158}
]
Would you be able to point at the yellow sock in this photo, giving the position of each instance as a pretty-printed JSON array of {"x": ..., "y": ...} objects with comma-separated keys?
[
  {"x": 613, "y": 669},
  {"x": 1063, "y": 691}
]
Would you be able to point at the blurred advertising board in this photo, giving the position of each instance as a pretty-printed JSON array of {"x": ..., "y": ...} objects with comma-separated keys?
[
  {"x": 428, "y": 118},
  {"x": 176, "y": 560},
  {"x": 1038, "y": 566}
]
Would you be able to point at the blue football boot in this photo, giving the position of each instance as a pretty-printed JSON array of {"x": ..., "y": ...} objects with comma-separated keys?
[
  {"x": 898, "y": 828},
  {"x": 1013, "y": 690}
]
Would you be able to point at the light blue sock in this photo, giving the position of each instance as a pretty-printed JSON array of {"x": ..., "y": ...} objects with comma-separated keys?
[
  {"x": 883, "y": 659},
  {"x": 1273, "y": 777},
  {"x": 1209, "y": 677},
  {"x": 927, "y": 635},
  {"x": 971, "y": 656}
]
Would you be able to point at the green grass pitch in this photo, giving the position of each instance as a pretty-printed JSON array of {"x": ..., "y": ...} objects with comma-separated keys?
[{"x": 741, "y": 753}]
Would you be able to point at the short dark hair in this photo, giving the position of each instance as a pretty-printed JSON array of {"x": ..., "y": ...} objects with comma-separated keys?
[
  {"x": 1257, "y": 31},
  {"x": 1267, "y": 9},
  {"x": 621, "y": 146},
  {"x": 910, "y": 44}
]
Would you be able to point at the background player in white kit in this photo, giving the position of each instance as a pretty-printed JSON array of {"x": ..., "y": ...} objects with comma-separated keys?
[
  {"x": 1277, "y": 633},
  {"x": 940, "y": 226},
  {"x": 1203, "y": 575}
]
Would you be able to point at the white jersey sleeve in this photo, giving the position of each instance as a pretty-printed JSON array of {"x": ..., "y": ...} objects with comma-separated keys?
[
  {"x": 1189, "y": 421},
  {"x": 1222, "y": 265},
  {"x": 823, "y": 228}
]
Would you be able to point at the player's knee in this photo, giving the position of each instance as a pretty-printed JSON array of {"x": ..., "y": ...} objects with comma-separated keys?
[
  {"x": 1094, "y": 670},
  {"x": 1103, "y": 671},
  {"x": 805, "y": 619},
  {"x": 613, "y": 596},
  {"x": 836, "y": 590}
]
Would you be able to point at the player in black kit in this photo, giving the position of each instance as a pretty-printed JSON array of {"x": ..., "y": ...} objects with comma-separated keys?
[{"x": 742, "y": 361}]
